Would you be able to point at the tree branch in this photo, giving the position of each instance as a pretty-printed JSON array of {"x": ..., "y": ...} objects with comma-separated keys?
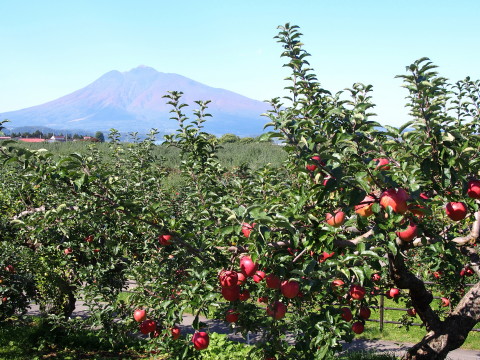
[
  {"x": 28, "y": 212},
  {"x": 473, "y": 235},
  {"x": 421, "y": 297},
  {"x": 355, "y": 241}
]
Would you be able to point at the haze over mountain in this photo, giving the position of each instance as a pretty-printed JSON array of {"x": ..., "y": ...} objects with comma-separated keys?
[{"x": 133, "y": 101}]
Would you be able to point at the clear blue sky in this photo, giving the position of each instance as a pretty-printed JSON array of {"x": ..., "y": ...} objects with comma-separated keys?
[{"x": 51, "y": 48}]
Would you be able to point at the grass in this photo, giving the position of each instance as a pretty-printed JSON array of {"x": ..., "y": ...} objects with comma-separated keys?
[{"x": 400, "y": 333}]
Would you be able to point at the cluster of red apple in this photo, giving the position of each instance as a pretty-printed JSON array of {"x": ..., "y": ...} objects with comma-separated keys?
[
  {"x": 356, "y": 292},
  {"x": 397, "y": 200},
  {"x": 467, "y": 271},
  {"x": 149, "y": 326},
  {"x": 231, "y": 282},
  {"x": 458, "y": 210}
]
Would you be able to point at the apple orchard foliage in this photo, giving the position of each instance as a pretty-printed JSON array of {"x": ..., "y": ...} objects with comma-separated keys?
[{"x": 122, "y": 224}]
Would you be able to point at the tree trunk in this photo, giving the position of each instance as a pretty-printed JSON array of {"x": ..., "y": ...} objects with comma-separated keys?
[
  {"x": 442, "y": 336},
  {"x": 452, "y": 332}
]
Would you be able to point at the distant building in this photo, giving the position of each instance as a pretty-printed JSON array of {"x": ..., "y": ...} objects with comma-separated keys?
[
  {"x": 33, "y": 140},
  {"x": 55, "y": 138}
]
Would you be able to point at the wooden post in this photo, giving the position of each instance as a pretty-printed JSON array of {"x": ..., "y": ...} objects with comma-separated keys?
[{"x": 382, "y": 308}]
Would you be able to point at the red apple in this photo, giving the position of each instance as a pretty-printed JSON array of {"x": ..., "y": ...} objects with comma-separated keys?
[
  {"x": 290, "y": 288},
  {"x": 259, "y": 276},
  {"x": 456, "y": 210},
  {"x": 273, "y": 281},
  {"x": 364, "y": 313},
  {"x": 200, "y": 340},
  {"x": 338, "y": 283},
  {"x": 424, "y": 196},
  {"x": 231, "y": 293},
  {"x": 244, "y": 295},
  {"x": 165, "y": 240},
  {"x": 324, "y": 256},
  {"x": 89, "y": 238},
  {"x": 346, "y": 314},
  {"x": 410, "y": 233},
  {"x": 473, "y": 189},
  {"x": 445, "y": 302},
  {"x": 247, "y": 266},
  {"x": 336, "y": 220},
  {"x": 148, "y": 326},
  {"x": 437, "y": 274},
  {"x": 228, "y": 278},
  {"x": 315, "y": 159},
  {"x": 241, "y": 278},
  {"x": 9, "y": 268},
  {"x": 396, "y": 199},
  {"x": 469, "y": 271},
  {"x": 176, "y": 332},
  {"x": 412, "y": 312},
  {"x": 327, "y": 179},
  {"x": 357, "y": 292},
  {"x": 139, "y": 315},
  {"x": 376, "y": 277},
  {"x": 232, "y": 316},
  {"x": 358, "y": 327},
  {"x": 68, "y": 251},
  {"x": 276, "y": 310},
  {"x": 364, "y": 209},
  {"x": 263, "y": 299},
  {"x": 382, "y": 164},
  {"x": 393, "y": 293},
  {"x": 247, "y": 229}
]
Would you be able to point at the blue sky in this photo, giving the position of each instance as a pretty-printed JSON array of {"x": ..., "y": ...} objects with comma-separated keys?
[{"x": 51, "y": 48}]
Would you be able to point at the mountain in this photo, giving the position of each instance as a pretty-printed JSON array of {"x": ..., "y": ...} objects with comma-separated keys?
[{"x": 133, "y": 101}]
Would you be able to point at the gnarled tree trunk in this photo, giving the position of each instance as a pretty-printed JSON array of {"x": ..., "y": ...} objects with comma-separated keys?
[
  {"x": 442, "y": 336},
  {"x": 451, "y": 333}
]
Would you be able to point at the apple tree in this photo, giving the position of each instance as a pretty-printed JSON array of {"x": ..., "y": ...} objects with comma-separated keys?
[
  {"x": 414, "y": 189},
  {"x": 296, "y": 253}
]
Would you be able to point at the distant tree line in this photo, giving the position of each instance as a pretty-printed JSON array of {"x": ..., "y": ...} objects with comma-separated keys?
[
  {"x": 225, "y": 138},
  {"x": 41, "y": 135},
  {"x": 232, "y": 138}
]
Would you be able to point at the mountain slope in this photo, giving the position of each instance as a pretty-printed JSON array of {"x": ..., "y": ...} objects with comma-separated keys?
[{"x": 133, "y": 101}]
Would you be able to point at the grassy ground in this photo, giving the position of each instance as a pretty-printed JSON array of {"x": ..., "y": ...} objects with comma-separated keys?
[{"x": 399, "y": 333}]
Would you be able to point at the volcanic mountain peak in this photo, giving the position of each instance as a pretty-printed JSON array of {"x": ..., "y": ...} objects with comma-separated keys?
[{"x": 134, "y": 101}]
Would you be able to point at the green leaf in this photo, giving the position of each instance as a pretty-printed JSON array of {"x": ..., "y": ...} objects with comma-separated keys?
[{"x": 392, "y": 247}]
